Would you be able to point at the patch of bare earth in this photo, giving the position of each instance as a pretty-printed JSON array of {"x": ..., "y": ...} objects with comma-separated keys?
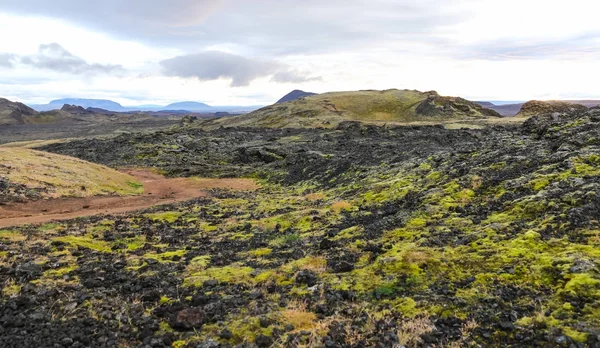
[{"x": 158, "y": 190}]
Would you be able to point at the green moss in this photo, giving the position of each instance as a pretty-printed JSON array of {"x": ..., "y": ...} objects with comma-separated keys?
[
  {"x": 165, "y": 300},
  {"x": 135, "y": 243},
  {"x": 261, "y": 252},
  {"x": 234, "y": 273},
  {"x": 539, "y": 184},
  {"x": 166, "y": 256},
  {"x": 60, "y": 272},
  {"x": 349, "y": 233},
  {"x": 11, "y": 236},
  {"x": 86, "y": 242},
  {"x": 247, "y": 329},
  {"x": 49, "y": 227},
  {"x": 416, "y": 223},
  {"x": 575, "y": 335},
  {"x": 284, "y": 240},
  {"x": 199, "y": 262},
  {"x": 11, "y": 290},
  {"x": 170, "y": 216},
  {"x": 136, "y": 185},
  {"x": 583, "y": 285}
]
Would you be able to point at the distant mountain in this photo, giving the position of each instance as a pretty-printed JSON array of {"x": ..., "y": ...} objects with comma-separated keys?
[
  {"x": 502, "y": 109},
  {"x": 89, "y": 103},
  {"x": 190, "y": 106},
  {"x": 485, "y": 104},
  {"x": 293, "y": 95}
]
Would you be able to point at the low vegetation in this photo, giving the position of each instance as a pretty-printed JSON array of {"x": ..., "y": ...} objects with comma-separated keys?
[
  {"x": 27, "y": 173},
  {"x": 361, "y": 236}
]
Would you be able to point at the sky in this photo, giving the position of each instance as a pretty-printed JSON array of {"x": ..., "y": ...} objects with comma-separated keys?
[{"x": 252, "y": 52}]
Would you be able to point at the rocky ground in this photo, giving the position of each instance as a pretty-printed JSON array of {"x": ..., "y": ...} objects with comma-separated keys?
[
  {"x": 361, "y": 236},
  {"x": 81, "y": 129}
]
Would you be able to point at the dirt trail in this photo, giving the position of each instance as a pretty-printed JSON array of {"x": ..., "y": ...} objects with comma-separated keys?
[{"x": 158, "y": 190}]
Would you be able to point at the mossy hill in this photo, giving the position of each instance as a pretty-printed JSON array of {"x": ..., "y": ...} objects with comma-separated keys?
[
  {"x": 391, "y": 106},
  {"x": 537, "y": 107},
  {"x": 29, "y": 174}
]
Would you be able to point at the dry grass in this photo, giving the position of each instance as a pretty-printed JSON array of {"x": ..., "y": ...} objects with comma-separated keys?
[
  {"x": 341, "y": 205},
  {"x": 410, "y": 331},
  {"x": 62, "y": 175},
  {"x": 314, "y": 197},
  {"x": 36, "y": 143},
  {"x": 297, "y": 315}
]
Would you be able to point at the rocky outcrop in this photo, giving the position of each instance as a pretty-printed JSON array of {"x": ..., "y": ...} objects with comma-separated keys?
[
  {"x": 537, "y": 107},
  {"x": 75, "y": 110}
]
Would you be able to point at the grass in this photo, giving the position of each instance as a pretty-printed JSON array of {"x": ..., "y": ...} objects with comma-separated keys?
[
  {"x": 64, "y": 176},
  {"x": 329, "y": 109}
]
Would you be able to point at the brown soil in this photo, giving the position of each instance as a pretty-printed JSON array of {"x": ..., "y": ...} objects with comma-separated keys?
[{"x": 157, "y": 190}]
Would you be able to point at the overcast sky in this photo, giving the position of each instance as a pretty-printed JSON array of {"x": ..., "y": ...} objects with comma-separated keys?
[{"x": 248, "y": 52}]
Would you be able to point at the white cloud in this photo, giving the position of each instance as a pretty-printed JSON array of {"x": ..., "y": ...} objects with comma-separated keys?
[{"x": 479, "y": 49}]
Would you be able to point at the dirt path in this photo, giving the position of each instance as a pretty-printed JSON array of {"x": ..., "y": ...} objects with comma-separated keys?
[{"x": 158, "y": 190}]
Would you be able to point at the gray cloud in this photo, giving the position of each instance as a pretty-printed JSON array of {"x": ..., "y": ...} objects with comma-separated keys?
[
  {"x": 135, "y": 19},
  {"x": 578, "y": 47},
  {"x": 292, "y": 76},
  {"x": 6, "y": 60},
  {"x": 271, "y": 27},
  {"x": 213, "y": 65},
  {"x": 54, "y": 57}
]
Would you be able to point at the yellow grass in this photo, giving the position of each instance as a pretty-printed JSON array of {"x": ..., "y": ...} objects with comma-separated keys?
[{"x": 62, "y": 175}]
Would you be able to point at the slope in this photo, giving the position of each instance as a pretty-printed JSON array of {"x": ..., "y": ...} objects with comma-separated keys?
[
  {"x": 29, "y": 174},
  {"x": 537, "y": 107},
  {"x": 293, "y": 95},
  {"x": 392, "y": 106},
  {"x": 12, "y": 113}
]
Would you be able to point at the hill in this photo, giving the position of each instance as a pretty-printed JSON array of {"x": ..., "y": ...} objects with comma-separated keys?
[
  {"x": 537, "y": 107},
  {"x": 30, "y": 174},
  {"x": 392, "y": 106},
  {"x": 293, "y": 95},
  {"x": 12, "y": 113}
]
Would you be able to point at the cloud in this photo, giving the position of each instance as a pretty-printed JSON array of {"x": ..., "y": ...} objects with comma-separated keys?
[
  {"x": 137, "y": 19},
  {"x": 273, "y": 27},
  {"x": 6, "y": 60},
  {"x": 214, "y": 65},
  {"x": 293, "y": 76},
  {"x": 571, "y": 48},
  {"x": 54, "y": 57}
]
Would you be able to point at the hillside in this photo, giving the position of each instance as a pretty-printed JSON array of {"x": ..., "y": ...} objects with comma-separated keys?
[
  {"x": 415, "y": 236},
  {"x": 293, "y": 95},
  {"x": 29, "y": 174},
  {"x": 537, "y": 107},
  {"x": 12, "y": 113},
  {"x": 329, "y": 109}
]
